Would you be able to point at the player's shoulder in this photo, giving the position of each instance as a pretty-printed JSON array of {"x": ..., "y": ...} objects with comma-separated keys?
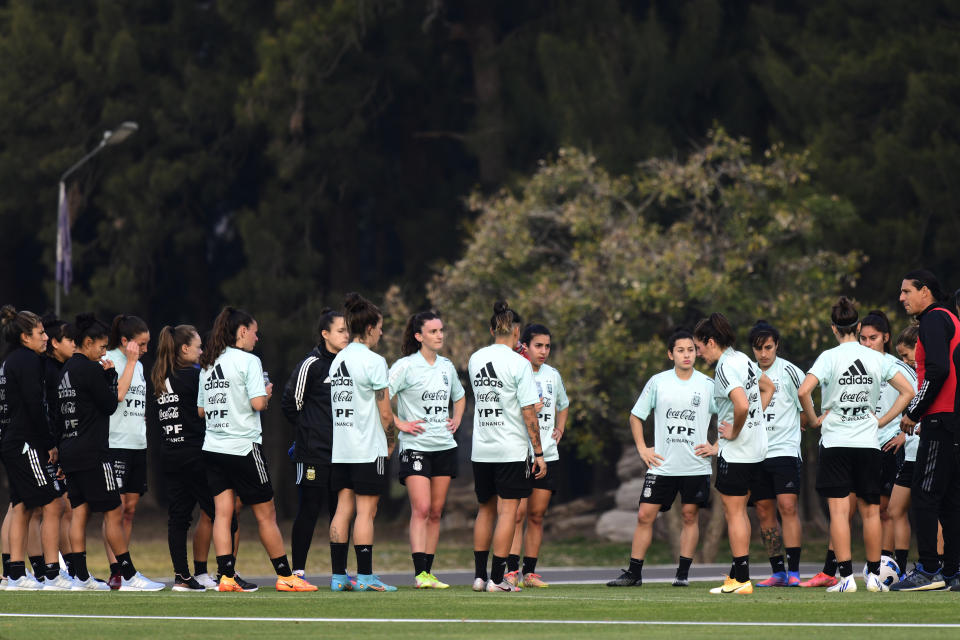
[
  {"x": 701, "y": 378},
  {"x": 548, "y": 371},
  {"x": 905, "y": 369}
]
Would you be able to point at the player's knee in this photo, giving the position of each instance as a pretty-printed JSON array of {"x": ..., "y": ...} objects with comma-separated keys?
[
  {"x": 646, "y": 518},
  {"x": 535, "y": 518},
  {"x": 435, "y": 514},
  {"x": 690, "y": 517},
  {"x": 420, "y": 510}
]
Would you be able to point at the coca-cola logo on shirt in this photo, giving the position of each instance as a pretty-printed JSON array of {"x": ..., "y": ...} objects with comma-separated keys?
[
  {"x": 682, "y": 414},
  {"x": 862, "y": 396}
]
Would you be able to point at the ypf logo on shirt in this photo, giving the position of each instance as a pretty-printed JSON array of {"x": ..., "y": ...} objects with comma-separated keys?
[{"x": 487, "y": 377}]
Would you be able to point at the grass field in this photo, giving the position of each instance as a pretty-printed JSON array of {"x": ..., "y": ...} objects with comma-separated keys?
[{"x": 557, "y": 612}]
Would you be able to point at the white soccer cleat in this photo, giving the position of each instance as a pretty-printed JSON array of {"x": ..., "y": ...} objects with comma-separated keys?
[
  {"x": 479, "y": 584},
  {"x": 90, "y": 584},
  {"x": 140, "y": 583},
  {"x": 493, "y": 587},
  {"x": 205, "y": 580},
  {"x": 874, "y": 584},
  {"x": 26, "y": 583},
  {"x": 844, "y": 585},
  {"x": 62, "y": 582}
]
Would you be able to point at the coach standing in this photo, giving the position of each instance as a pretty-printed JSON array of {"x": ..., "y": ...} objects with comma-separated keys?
[{"x": 936, "y": 482}]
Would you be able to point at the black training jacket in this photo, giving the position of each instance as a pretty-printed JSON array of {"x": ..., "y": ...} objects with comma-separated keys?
[
  {"x": 88, "y": 397},
  {"x": 25, "y": 392},
  {"x": 52, "y": 370},
  {"x": 181, "y": 428},
  {"x": 306, "y": 404}
]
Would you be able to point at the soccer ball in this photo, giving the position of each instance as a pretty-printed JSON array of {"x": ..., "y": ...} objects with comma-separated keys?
[{"x": 889, "y": 571}]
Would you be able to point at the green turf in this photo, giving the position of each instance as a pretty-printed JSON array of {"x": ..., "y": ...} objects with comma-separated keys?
[{"x": 658, "y": 602}]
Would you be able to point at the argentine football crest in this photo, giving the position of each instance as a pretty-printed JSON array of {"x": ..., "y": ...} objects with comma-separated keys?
[
  {"x": 550, "y": 388},
  {"x": 417, "y": 465},
  {"x": 695, "y": 401},
  {"x": 446, "y": 380}
]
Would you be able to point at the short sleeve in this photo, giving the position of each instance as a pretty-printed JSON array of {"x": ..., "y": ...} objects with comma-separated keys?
[
  {"x": 794, "y": 376},
  {"x": 821, "y": 367},
  {"x": 201, "y": 396},
  {"x": 729, "y": 378},
  {"x": 377, "y": 373},
  {"x": 456, "y": 389},
  {"x": 526, "y": 387},
  {"x": 708, "y": 389},
  {"x": 890, "y": 368},
  {"x": 254, "y": 378},
  {"x": 397, "y": 377},
  {"x": 647, "y": 401},
  {"x": 562, "y": 401}
]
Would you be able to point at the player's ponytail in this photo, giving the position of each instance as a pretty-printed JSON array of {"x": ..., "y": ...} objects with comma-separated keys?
[
  {"x": 124, "y": 326},
  {"x": 410, "y": 345},
  {"x": 15, "y": 324},
  {"x": 361, "y": 314},
  {"x": 169, "y": 342},
  {"x": 504, "y": 319},
  {"x": 224, "y": 333},
  {"x": 717, "y": 328},
  {"x": 844, "y": 316}
]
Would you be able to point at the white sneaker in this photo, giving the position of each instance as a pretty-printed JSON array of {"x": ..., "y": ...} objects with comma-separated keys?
[
  {"x": 503, "y": 586},
  {"x": 873, "y": 583},
  {"x": 205, "y": 580},
  {"x": 90, "y": 584},
  {"x": 62, "y": 582},
  {"x": 140, "y": 583},
  {"x": 479, "y": 584},
  {"x": 3, "y": 583},
  {"x": 26, "y": 583},
  {"x": 845, "y": 585}
]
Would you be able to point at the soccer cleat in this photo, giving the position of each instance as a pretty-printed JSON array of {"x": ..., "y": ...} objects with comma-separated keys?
[
  {"x": 626, "y": 579},
  {"x": 844, "y": 585},
  {"x": 139, "y": 582},
  {"x": 90, "y": 584},
  {"x": 229, "y": 584},
  {"x": 341, "y": 582},
  {"x": 778, "y": 579},
  {"x": 874, "y": 585},
  {"x": 533, "y": 580},
  {"x": 820, "y": 580},
  {"x": 372, "y": 582},
  {"x": 730, "y": 585},
  {"x": 920, "y": 580},
  {"x": 493, "y": 587},
  {"x": 188, "y": 585},
  {"x": 248, "y": 587},
  {"x": 513, "y": 577},
  {"x": 62, "y": 582},
  {"x": 293, "y": 583},
  {"x": 426, "y": 580},
  {"x": 114, "y": 581},
  {"x": 793, "y": 579},
  {"x": 205, "y": 580},
  {"x": 25, "y": 583},
  {"x": 953, "y": 582},
  {"x": 681, "y": 582},
  {"x": 3, "y": 583},
  {"x": 479, "y": 584}
]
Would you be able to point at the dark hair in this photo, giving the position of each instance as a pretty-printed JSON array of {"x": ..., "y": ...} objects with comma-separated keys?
[
  {"x": 57, "y": 330},
  {"x": 677, "y": 336},
  {"x": 224, "y": 333},
  {"x": 15, "y": 324},
  {"x": 716, "y": 327},
  {"x": 503, "y": 319},
  {"x": 168, "y": 353},
  {"x": 532, "y": 330},
  {"x": 923, "y": 278},
  {"x": 128, "y": 327},
  {"x": 844, "y": 316},
  {"x": 909, "y": 336},
  {"x": 361, "y": 314},
  {"x": 956, "y": 298},
  {"x": 878, "y": 320},
  {"x": 410, "y": 345},
  {"x": 327, "y": 316},
  {"x": 87, "y": 326},
  {"x": 760, "y": 332}
]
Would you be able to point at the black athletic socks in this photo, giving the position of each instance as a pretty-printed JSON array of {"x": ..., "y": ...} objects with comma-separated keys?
[
  {"x": 480, "y": 564},
  {"x": 776, "y": 564},
  {"x": 338, "y": 558},
  {"x": 79, "y": 562},
  {"x": 199, "y": 568},
  {"x": 428, "y": 559},
  {"x": 872, "y": 567},
  {"x": 17, "y": 569},
  {"x": 636, "y": 567},
  {"x": 901, "y": 557},
  {"x": 37, "y": 565},
  {"x": 127, "y": 570},
  {"x": 845, "y": 568},
  {"x": 114, "y": 568},
  {"x": 886, "y": 552},
  {"x": 529, "y": 565},
  {"x": 498, "y": 568},
  {"x": 282, "y": 566},
  {"x": 830, "y": 563},
  {"x": 51, "y": 570},
  {"x": 364, "y": 558},
  {"x": 225, "y": 565},
  {"x": 419, "y": 563},
  {"x": 513, "y": 562},
  {"x": 6, "y": 564},
  {"x": 683, "y": 568},
  {"x": 741, "y": 568},
  {"x": 793, "y": 559}
]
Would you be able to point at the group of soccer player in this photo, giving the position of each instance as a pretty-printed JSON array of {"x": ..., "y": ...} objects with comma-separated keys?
[{"x": 75, "y": 401}]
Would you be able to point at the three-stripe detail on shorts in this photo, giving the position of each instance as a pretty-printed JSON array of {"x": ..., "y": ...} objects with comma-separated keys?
[
  {"x": 34, "y": 461},
  {"x": 261, "y": 466},
  {"x": 111, "y": 480}
]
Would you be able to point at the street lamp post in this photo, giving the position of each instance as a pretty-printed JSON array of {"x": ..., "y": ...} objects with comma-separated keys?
[{"x": 110, "y": 137}]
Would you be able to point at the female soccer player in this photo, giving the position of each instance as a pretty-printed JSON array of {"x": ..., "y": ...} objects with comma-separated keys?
[
  {"x": 176, "y": 385},
  {"x": 29, "y": 451},
  {"x": 850, "y": 456},
  {"x": 424, "y": 384},
  {"x": 88, "y": 397},
  {"x": 679, "y": 462},
  {"x": 875, "y": 334},
  {"x": 232, "y": 394},
  {"x": 777, "y": 483},
  {"x": 552, "y": 413},
  {"x": 363, "y": 439},
  {"x": 742, "y": 393},
  {"x": 128, "y": 426},
  {"x": 306, "y": 404},
  {"x": 504, "y": 426},
  {"x": 900, "y": 494}
]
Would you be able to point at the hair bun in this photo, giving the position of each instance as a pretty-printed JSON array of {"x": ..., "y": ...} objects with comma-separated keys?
[
  {"x": 500, "y": 306},
  {"x": 7, "y": 313},
  {"x": 353, "y": 301},
  {"x": 84, "y": 321}
]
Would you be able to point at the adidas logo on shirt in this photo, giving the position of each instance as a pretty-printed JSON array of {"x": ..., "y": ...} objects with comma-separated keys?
[
  {"x": 487, "y": 377},
  {"x": 216, "y": 380},
  {"x": 341, "y": 377},
  {"x": 66, "y": 390},
  {"x": 856, "y": 374}
]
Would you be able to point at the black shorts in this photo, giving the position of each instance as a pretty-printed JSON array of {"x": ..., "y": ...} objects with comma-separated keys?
[
  {"x": 846, "y": 470},
  {"x": 311, "y": 474},
  {"x": 549, "y": 481},
  {"x": 32, "y": 481},
  {"x": 777, "y": 475},
  {"x": 905, "y": 475},
  {"x": 508, "y": 480},
  {"x": 735, "y": 478},
  {"x": 95, "y": 487},
  {"x": 130, "y": 468},
  {"x": 890, "y": 464},
  {"x": 246, "y": 475},
  {"x": 662, "y": 490},
  {"x": 428, "y": 463},
  {"x": 363, "y": 478},
  {"x": 185, "y": 478}
]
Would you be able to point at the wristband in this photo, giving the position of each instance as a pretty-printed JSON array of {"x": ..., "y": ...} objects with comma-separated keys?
[{"x": 538, "y": 455}]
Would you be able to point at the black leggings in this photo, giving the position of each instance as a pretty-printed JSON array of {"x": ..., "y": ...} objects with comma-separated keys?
[
  {"x": 186, "y": 482},
  {"x": 311, "y": 499}
]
